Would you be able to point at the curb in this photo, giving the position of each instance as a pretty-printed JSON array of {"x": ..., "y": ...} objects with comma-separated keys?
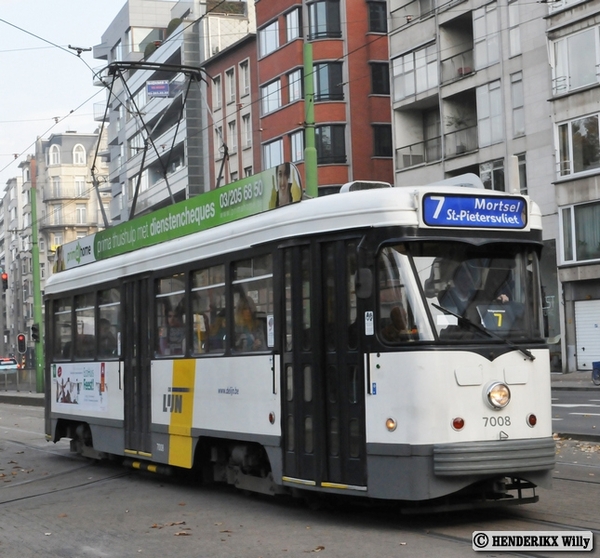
[{"x": 25, "y": 399}]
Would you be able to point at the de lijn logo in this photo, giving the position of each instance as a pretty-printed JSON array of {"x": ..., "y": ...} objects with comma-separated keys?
[
  {"x": 173, "y": 400},
  {"x": 78, "y": 252}
]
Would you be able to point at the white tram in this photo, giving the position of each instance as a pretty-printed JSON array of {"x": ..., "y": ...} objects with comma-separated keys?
[{"x": 383, "y": 343}]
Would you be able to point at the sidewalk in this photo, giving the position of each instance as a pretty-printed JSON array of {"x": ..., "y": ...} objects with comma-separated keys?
[{"x": 574, "y": 380}]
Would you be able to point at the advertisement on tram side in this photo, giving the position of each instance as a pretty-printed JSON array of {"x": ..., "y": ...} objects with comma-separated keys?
[{"x": 264, "y": 191}]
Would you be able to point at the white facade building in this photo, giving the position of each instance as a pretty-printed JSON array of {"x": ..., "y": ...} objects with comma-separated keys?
[
  {"x": 470, "y": 88},
  {"x": 157, "y": 144}
]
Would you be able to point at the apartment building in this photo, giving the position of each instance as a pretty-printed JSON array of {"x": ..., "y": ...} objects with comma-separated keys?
[
  {"x": 350, "y": 77},
  {"x": 14, "y": 261},
  {"x": 70, "y": 202},
  {"x": 159, "y": 118},
  {"x": 573, "y": 35},
  {"x": 234, "y": 115},
  {"x": 470, "y": 86}
]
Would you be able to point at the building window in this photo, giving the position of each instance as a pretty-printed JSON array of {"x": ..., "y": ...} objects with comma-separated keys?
[
  {"x": 245, "y": 77},
  {"x": 58, "y": 240},
  {"x": 248, "y": 171},
  {"x": 297, "y": 146},
  {"x": 232, "y": 136},
  {"x": 328, "y": 81},
  {"x": 518, "y": 109},
  {"x": 377, "y": 17},
  {"x": 489, "y": 114},
  {"x": 514, "y": 31},
  {"x": 81, "y": 213},
  {"x": 579, "y": 145},
  {"x": 270, "y": 96},
  {"x": 382, "y": 140},
  {"x": 492, "y": 175},
  {"x": 246, "y": 130},
  {"x": 54, "y": 158},
  {"x": 272, "y": 154},
  {"x": 57, "y": 214},
  {"x": 331, "y": 144},
  {"x": 117, "y": 52},
  {"x": 79, "y": 155},
  {"x": 80, "y": 190},
  {"x": 230, "y": 77},
  {"x": 217, "y": 93},
  {"x": 219, "y": 142},
  {"x": 571, "y": 70},
  {"x": 268, "y": 38},
  {"x": 56, "y": 187},
  {"x": 581, "y": 232},
  {"x": 522, "y": 173},
  {"x": 292, "y": 25},
  {"x": 380, "y": 78},
  {"x": 295, "y": 85},
  {"x": 486, "y": 36},
  {"x": 415, "y": 72},
  {"x": 324, "y": 19}
]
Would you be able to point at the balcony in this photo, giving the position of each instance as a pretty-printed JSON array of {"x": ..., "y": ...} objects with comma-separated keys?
[
  {"x": 427, "y": 151},
  {"x": 460, "y": 141},
  {"x": 100, "y": 113},
  {"x": 458, "y": 67}
]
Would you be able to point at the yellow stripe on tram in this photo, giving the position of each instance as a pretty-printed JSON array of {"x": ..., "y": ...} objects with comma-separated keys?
[{"x": 182, "y": 413}]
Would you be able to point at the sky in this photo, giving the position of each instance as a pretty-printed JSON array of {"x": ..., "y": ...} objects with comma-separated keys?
[{"x": 42, "y": 79}]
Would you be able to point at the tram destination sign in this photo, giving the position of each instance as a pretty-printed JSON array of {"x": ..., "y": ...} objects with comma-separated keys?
[
  {"x": 266, "y": 190},
  {"x": 474, "y": 211}
]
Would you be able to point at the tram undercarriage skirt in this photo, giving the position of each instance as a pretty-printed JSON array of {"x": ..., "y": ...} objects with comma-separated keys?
[{"x": 494, "y": 457}]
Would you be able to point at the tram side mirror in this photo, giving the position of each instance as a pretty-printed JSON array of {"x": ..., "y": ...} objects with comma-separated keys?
[{"x": 364, "y": 282}]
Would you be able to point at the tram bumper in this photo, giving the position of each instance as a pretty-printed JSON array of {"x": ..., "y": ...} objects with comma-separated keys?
[
  {"x": 418, "y": 473},
  {"x": 506, "y": 457}
]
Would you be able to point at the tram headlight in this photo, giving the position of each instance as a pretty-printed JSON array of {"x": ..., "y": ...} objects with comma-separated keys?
[
  {"x": 391, "y": 424},
  {"x": 498, "y": 395}
]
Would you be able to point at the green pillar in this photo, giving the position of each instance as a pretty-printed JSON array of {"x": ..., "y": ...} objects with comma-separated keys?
[
  {"x": 310, "y": 151},
  {"x": 37, "y": 288}
]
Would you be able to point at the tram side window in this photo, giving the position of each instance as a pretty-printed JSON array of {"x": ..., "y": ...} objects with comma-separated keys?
[
  {"x": 252, "y": 288},
  {"x": 85, "y": 323},
  {"x": 396, "y": 319},
  {"x": 109, "y": 326},
  {"x": 62, "y": 329},
  {"x": 209, "y": 310},
  {"x": 170, "y": 315}
]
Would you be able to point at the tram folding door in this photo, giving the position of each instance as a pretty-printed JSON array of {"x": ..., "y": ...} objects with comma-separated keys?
[
  {"x": 136, "y": 365},
  {"x": 322, "y": 372}
]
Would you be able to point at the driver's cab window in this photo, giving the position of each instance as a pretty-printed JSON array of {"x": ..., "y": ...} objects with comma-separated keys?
[{"x": 397, "y": 322}]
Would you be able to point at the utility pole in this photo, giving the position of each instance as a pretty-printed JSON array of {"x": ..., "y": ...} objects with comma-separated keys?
[
  {"x": 37, "y": 287},
  {"x": 310, "y": 151}
]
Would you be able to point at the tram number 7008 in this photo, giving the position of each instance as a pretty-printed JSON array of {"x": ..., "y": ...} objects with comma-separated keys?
[{"x": 496, "y": 421}]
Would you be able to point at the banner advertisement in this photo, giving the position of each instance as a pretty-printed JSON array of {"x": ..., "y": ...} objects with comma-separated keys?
[{"x": 267, "y": 190}]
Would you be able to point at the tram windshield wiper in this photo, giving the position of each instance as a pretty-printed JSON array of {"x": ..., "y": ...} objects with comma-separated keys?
[{"x": 462, "y": 321}]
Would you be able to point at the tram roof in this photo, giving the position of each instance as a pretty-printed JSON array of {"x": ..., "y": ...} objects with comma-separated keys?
[{"x": 353, "y": 210}]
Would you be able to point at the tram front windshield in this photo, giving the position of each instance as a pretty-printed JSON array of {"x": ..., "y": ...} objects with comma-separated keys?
[{"x": 457, "y": 292}]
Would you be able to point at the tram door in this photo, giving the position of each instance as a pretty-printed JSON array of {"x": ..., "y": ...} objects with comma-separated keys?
[
  {"x": 136, "y": 367},
  {"x": 322, "y": 376}
]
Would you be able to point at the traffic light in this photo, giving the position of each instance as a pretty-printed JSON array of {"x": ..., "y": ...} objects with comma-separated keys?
[
  {"x": 21, "y": 343},
  {"x": 35, "y": 333},
  {"x": 4, "y": 280}
]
